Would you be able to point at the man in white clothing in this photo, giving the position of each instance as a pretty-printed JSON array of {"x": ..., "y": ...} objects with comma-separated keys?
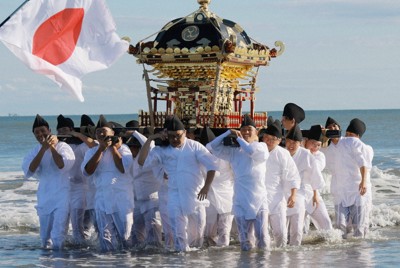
[
  {"x": 65, "y": 127},
  {"x": 146, "y": 229},
  {"x": 219, "y": 213},
  {"x": 281, "y": 171},
  {"x": 310, "y": 164},
  {"x": 183, "y": 161},
  {"x": 109, "y": 163},
  {"x": 50, "y": 162},
  {"x": 330, "y": 152},
  {"x": 88, "y": 129},
  {"x": 250, "y": 203},
  {"x": 295, "y": 215},
  {"x": 356, "y": 129},
  {"x": 347, "y": 163}
]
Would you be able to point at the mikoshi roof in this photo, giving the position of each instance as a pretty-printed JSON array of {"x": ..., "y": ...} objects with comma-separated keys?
[{"x": 202, "y": 36}]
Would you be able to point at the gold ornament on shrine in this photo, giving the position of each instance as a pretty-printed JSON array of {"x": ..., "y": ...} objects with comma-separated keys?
[{"x": 203, "y": 67}]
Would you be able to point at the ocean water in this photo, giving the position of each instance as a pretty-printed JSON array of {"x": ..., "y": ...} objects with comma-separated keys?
[{"x": 20, "y": 243}]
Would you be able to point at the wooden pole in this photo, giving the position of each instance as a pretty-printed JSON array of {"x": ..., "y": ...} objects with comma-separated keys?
[{"x": 148, "y": 87}]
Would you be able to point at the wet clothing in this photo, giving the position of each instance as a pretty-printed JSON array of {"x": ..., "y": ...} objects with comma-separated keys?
[
  {"x": 53, "y": 193},
  {"x": 250, "y": 199},
  {"x": 114, "y": 196},
  {"x": 219, "y": 213},
  {"x": 281, "y": 174},
  {"x": 345, "y": 159},
  {"x": 147, "y": 224},
  {"x": 184, "y": 166}
]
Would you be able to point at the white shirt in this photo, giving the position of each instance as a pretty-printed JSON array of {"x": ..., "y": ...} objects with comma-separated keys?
[
  {"x": 281, "y": 174},
  {"x": 320, "y": 160},
  {"x": 183, "y": 167},
  {"x": 114, "y": 190},
  {"x": 368, "y": 153},
  {"x": 311, "y": 176},
  {"x": 54, "y": 183},
  {"x": 248, "y": 163},
  {"x": 331, "y": 153},
  {"x": 221, "y": 190},
  {"x": 145, "y": 183},
  {"x": 79, "y": 182},
  {"x": 346, "y": 161}
]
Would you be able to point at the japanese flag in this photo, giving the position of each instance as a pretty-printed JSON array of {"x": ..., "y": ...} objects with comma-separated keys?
[{"x": 64, "y": 39}]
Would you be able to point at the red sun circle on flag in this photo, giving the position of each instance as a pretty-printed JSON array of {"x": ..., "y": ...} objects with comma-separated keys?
[{"x": 55, "y": 39}]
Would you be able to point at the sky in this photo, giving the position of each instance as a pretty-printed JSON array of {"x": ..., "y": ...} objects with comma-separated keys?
[{"x": 339, "y": 54}]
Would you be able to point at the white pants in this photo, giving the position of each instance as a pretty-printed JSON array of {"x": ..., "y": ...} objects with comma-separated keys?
[
  {"x": 188, "y": 230},
  {"x": 257, "y": 227},
  {"x": 320, "y": 218},
  {"x": 53, "y": 229},
  {"x": 218, "y": 227},
  {"x": 114, "y": 228},
  {"x": 295, "y": 223},
  {"x": 163, "y": 207},
  {"x": 277, "y": 223},
  {"x": 146, "y": 227},
  {"x": 356, "y": 215},
  {"x": 77, "y": 211},
  {"x": 77, "y": 216}
]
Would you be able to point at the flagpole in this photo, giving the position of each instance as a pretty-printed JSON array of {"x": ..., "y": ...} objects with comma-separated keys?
[{"x": 12, "y": 14}]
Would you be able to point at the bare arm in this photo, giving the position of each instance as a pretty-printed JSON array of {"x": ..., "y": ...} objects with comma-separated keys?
[
  {"x": 117, "y": 156},
  {"x": 87, "y": 140},
  {"x": 363, "y": 183},
  {"x": 144, "y": 152},
  {"x": 292, "y": 198},
  {"x": 92, "y": 164},
  {"x": 57, "y": 157},
  {"x": 204, "y": 191},
  {"x": 38, "y": 158},
  {"x": 49, "y": 143},
  {"x": 315, "y": 198}
]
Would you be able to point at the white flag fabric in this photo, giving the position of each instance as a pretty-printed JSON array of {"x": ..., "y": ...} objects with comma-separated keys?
[{"x": 64, "y": 39}]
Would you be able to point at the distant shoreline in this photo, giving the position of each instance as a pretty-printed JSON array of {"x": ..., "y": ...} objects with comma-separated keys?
[{"x": 244, "y": 112}]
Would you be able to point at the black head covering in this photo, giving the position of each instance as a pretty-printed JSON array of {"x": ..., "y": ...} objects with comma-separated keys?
[
  {"x": 278, "y": 124},
  {"x": 132, "y": 123},
  {"x": 86, "y": 121},
  {"x": 357, "y": 126},
  {"x": 294, "y": 134},
  {"x": 206, "y": 135},
  {"x": 315, "y": 133},
  {"x": 39, "y": 122},
  {"x": 115, "y": 124},
  {"x": 274, "y": 130},
  {"x": 247, "y": 121},
  {"x": 330, "y": 121},
  {"x": 103, "y": 122},
  {"x": 270, "y": 121},
  {"x": 64, "y": 122},
  {"x": 293, "y": 111},
  {"x": 173, "y": 124},
  {"x": 87, "y": 126}
]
